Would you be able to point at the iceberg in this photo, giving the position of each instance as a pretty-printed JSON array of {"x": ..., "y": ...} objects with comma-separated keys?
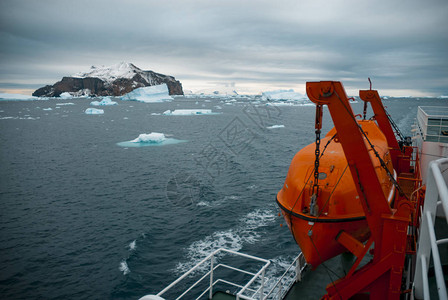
[
  {"x": 105, "y": 101},
  {"x": 218, "y": 92},
  {"x": 149, "y": 94},
  {"x": 296, "y": 103},
  {"x": 15, "y": 97},
  {"x": 150, "y": 139},
  {"x": 281, "y": 95},
  {"x": 189, "y": 112},
  {"x": 94, "y": 111}
]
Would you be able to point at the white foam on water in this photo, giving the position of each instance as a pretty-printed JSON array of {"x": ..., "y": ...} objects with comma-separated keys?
[
  {"x": 233, "y": 239},
  {"x": 218, "y": 201},
  {"x": 124, "y": 267},
  {"x": 198, "y": 250},
  {"x": 132, "y": 245},
  {"x": 276, "y": 269}
]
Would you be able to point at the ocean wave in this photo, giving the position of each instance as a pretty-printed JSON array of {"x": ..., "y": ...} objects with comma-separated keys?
[
  {"x": 124, "y": 267},
  {"x": 132, "y": 245},
  {"x": 233, "y": 239}
]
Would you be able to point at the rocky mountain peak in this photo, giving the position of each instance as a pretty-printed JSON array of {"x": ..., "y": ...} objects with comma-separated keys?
[{"x": 115, "y": 80}]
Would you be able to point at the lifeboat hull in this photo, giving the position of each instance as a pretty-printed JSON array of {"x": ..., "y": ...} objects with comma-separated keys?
[
  {"x": 317, "y": 236},
  {"x": 338, "y": 206}
]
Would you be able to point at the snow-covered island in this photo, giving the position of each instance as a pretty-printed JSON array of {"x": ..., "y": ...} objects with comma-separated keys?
[{"x": 115, "y": 80}]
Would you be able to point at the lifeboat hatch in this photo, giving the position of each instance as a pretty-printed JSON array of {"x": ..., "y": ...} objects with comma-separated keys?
[{"x": 328, "y": 176}]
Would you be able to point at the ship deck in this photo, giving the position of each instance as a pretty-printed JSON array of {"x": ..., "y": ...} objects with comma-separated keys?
[{"x": 223, "y": 296}]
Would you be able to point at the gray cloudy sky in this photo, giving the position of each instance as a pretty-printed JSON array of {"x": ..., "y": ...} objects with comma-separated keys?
[{"x": 259, "y": 45}]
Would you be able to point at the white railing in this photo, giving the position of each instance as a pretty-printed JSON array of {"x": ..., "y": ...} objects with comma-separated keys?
[
  {"x": 253, "y": 289},
  {"x": 214, "y": 281},
  {"x": 292, "y": 274},
  {"x": 436, "y": 194}
]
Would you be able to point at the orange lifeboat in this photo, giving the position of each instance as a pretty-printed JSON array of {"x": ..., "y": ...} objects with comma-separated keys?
[{"x": 316, "y": 222}]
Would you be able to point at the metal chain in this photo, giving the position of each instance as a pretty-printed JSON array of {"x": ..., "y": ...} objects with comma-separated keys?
[
  {"x": 318, "y": 126},
  {"x": 394, "y": 125},
  {"x": 314, "y": 208},
  {"x": 316, "y": 163},
  {"x": 364, "y": 113},
  {"x": 382, "y": 163}
]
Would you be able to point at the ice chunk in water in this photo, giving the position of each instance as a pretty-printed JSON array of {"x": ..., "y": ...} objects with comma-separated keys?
[
  {"x": 105, "y": 101},
  {"x": 94, "y": 111},
  {"x": 275, "y": 126},
  {"x": 153, "y": 137},
  {"x": 150, "y": 139},
  {"x": 188, "y": 112}
]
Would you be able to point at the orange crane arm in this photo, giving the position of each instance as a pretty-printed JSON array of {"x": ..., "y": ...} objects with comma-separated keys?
[{"x": 373, "y": 97}]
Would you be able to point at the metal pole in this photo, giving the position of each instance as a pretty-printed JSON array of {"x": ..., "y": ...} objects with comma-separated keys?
[
  {"x": 210, "y": 294},
  {"x": 298, "y": 272},
  {"x": 262, "y": 285},
  {"x": 424, "y": 278},
  {"x": 436, "y": 259}
]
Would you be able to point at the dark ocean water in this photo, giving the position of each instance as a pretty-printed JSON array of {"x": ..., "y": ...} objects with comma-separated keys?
[{"x": 83, "y": 218}]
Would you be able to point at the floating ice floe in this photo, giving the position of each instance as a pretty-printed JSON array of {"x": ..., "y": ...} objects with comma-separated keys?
[
  {"x": 150, "y": 139},
  {"x": 63, "y": 104},
  {"x": 275, "y": 126},
  {"x": 47, "y": 108},
  {"x": 66, "y": 95},
  {"x": 149, "y": 94},
  {"x": 18, "y": 97},
  {"x": 153, "y": 137},
  {"x": 104, "y": 102},
  {"x": 189, "y": 112},
  {"x": 94, "y": 111}
]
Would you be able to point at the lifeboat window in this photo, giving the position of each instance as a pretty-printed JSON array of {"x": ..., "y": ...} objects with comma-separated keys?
[{"x": 322, "y": 175}]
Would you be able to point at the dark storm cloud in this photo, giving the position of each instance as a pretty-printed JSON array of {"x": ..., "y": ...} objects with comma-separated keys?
[{"x": 400, "y": 44}]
